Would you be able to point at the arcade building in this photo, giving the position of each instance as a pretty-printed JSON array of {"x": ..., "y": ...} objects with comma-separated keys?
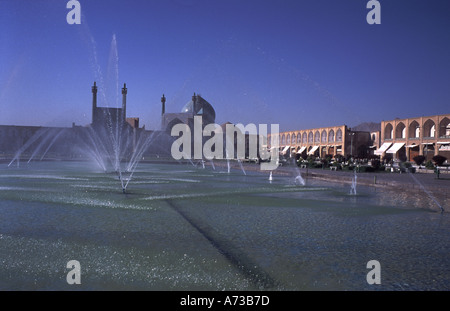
[
  {"x": 326, "y": 141},
  {"x": 403, "y": 139}
]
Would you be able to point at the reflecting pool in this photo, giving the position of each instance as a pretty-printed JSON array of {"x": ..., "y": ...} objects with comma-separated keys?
[{"x": 181, "y": 227}]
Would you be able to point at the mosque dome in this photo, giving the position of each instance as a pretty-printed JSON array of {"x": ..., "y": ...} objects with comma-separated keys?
[{"x": 200, "y": 107}]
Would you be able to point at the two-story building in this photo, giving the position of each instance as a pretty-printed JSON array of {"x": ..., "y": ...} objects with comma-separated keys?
[{"x": 403, "y": 139}]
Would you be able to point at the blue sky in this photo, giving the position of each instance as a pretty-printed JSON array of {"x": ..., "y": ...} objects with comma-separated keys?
[{"x": 299, "y": 63}]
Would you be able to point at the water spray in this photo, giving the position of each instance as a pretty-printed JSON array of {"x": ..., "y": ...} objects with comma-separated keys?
[
  {"x": 354, "y": 183},
  {"x": 424, "y": 189}
]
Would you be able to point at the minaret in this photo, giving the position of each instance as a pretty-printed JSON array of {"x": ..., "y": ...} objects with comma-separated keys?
[
  {"x": 124, "y": 101},
  {"x": 163, "y": 102},
  {"x": 194, "y": 103},
  {"x": 94, "y": 102}
]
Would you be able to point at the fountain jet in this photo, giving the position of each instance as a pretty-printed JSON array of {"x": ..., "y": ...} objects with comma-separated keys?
[{"x": 354, "y": 182}]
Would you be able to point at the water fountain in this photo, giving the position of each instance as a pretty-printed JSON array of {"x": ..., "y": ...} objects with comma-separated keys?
[
  {"x": 298, "y": 176},
  {"x": 299, "y": 180},
  {"x": 109, "y": 142},
  {"x": 242, "y": 167},
  {"x": 40, "y": 143},
  {"x": 212, "y": 164},
  {"x": 354, "y": 183},
  {"x": 424, "y": 189}
]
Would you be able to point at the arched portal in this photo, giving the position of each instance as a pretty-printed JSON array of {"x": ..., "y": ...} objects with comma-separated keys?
[
  {"x": 414, "y": 130},
  {"x": 400, "y": 131},
  {"x": 388, "y": 131}
]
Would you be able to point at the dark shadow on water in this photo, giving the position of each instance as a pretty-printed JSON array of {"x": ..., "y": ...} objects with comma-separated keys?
[{"x": 248, "y": 268}]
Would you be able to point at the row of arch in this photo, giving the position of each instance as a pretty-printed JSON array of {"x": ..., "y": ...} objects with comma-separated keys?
[
  {"x": 311, "y": 137},
  {"x": 319, "y": 151},
  {"x": 414, "y": 130}
]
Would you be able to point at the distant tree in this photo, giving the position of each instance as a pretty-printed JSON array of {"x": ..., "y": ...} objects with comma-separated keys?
[
  {"x": 376, "y": 164},
  {"x": 429, "y": 165},
  {"x": 402, "y": 157},
  {"x": 328, "y": 157},
  {"x": 439, "y": 160},
  {"x": 419, "y": 159},
  {"x": 373, "y": 157},
  {"x": 310, "y": 160},
  {"x": 326, "y": 160},
  {"x": 339, "y": 158}
]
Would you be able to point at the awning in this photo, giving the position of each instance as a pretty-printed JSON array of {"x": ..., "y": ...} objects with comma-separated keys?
[
  {"x": 412, "y": 146},
  {"x": 285, "y": 149},
  {"x": 443, "y": 142},
  {"x": 301, "y": 150},
  {"x": 313, "y": 150},
  {"x": 396, "y": 147},
  {"x": 427, "y": 143},
  {"x": 382, "y": 149}
]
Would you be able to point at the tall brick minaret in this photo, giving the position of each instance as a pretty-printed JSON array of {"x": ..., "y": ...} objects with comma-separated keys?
[
  {"x": 124, "y": 101},
  {"x": 163, "y": 104},
  {"x": 194, "y": 104},
  {"x": 94, "y": 102}
]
